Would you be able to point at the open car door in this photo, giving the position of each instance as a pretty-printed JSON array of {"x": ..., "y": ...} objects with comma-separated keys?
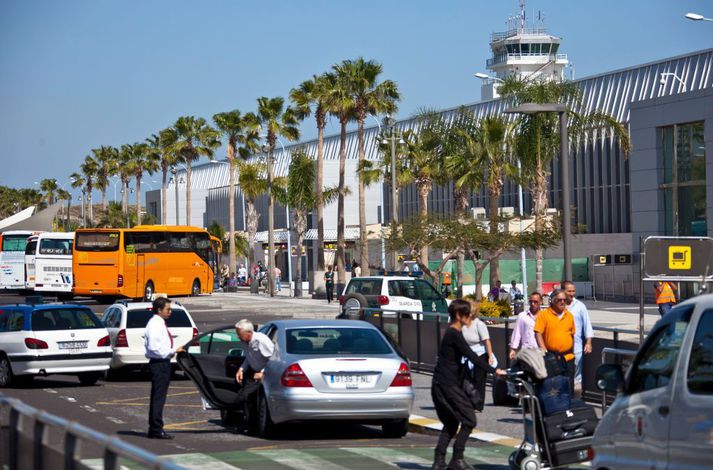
[{"x": 212, "y": 367}]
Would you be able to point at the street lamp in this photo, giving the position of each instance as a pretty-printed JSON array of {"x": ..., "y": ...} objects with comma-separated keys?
[
  {"x": 697, "y": 17},
  {"x": 174, "y": 171},
  {"x": 270, "y": 223},
  {"x": 381, "y": 198},
  {"x": 393, "y": 138},
  {"x": 561, "y": 109},
  {"x": 664, "y": 79},
  {"x": 485, "y": 76}
]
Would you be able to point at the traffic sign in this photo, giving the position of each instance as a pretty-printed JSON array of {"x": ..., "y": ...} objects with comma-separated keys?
[
  {"x": 678, "y": 258},
  {"x": 601, "y": 260}
]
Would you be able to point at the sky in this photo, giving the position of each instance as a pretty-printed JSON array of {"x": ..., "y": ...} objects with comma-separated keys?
[{"x": 78, "y": 74}]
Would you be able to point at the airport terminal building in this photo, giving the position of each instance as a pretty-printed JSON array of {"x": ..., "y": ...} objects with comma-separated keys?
[{"x": 661, "y": 188}]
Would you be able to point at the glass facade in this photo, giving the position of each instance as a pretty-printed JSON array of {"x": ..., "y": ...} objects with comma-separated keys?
[{"x": 683, "y": 179}]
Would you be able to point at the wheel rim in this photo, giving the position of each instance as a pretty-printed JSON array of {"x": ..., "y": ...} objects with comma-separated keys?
[
  {"x": 4, "y": 371},
  {"x": 352, "y": 304},
  {"x": 148, "y": 291},
  {"x": 196, "y": 288}
]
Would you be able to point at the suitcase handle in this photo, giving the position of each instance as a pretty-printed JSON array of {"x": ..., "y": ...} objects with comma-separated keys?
[{"x": 572, "y": 425}]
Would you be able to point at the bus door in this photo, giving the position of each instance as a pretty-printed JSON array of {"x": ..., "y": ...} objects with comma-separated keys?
[{"x": 141, "y": 274}]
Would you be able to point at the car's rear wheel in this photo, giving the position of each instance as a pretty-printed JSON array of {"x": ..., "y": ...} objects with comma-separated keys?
[
  {"x": 353, "y": 303},
  {"x": 229, "y": 417},
  {"x": 196, "y": 288},
  {"x": 5, "y": 371},
  {"x": 266, "y": 428},
  {"x": 89, "y": 378},
  {"x": 148, "y": 291},
  {"x": 395, "y": 429}
]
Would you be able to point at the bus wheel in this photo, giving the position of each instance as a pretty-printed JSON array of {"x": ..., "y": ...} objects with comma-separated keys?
[
  {"x": 148, "y": 291},
  {"x": 196, "y": 289}
]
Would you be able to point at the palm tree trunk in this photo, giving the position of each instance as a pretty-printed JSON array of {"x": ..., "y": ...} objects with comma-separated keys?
[
  {"x": 124, "y": 194},
  {"x": 539, "y": 199},
  {"x": 91, "y": 206},
  {"x": 424, "y": 188},
  {"x": 69, "y": 207},
  {"x": 320, "y": 202},
  {"x": 299, "y": 228},
  {"x": 494, "y": 202},
  {"x": 252, "y": 219},
  {"x": 164, "y": 188},
  {"x": 104, "y": 199},
  {"x": 232, "y": 261},
  {"x": 341, "y": 245},
  {"x": 479, "y": 268},
  {"x": 461, "y": 200},
  {"x": 363, "y": 245},
  {"x": 188, "y": 192},
  {"x": 138, "y": 200}
]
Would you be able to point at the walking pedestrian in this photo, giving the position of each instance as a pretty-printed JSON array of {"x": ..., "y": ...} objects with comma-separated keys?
[
  {"x": 252, "y": 371},
  {"x": 158, "y": 343},
  {"x": 329, "y": 284},
  {"x": 277, "y": 274},
  {"x": 523, "y": 335},
  {"x": 478, "y": 339},
  {"x": 665, "y": 296},
  {"x": 554, "y": 330},
  {"x": 356, "y": 269},
  {"x": 452, "y": 405},
  {"x": 583, "y": 331}
]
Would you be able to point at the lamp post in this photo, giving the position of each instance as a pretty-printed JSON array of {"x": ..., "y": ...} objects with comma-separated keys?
[
  {"x": 561, "y": 110},
  {"x": 84, "y": 197},
  {"x": 270, "y": 223},
  {"x": 697, "y": 17},
  {"x": 392, "y": 139},
  {"x": 174, "y": 171},
  {"x": 664, "y": 79},
  {"x": 381, "y": 210}
]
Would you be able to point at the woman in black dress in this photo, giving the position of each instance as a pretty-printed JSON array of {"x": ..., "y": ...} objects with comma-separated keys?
[
  {"x": 329, "y": 284},
  {"x": 453, "y": 406}
]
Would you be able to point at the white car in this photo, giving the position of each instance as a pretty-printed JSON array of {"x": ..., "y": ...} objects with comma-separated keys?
[
  {"x": 126, "y": 323},
  {"x": 392, "y": 293},
  {"x": 49, "y": 339}
]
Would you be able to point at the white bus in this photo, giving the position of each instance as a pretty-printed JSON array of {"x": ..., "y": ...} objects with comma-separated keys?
[
  {"x": 53, "y": 263},
  {"x": 30, "y": 252},
  {"x": 12, "y": 258}
]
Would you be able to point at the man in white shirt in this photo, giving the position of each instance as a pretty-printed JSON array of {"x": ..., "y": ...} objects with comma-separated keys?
[
  {"x": 251, "y": 372},
  {"x": 523, "y": 335},
  {"x": 159, "y": 346},
  {"x": 583, "y": 332},
  {"x": 514, "y": 291}
]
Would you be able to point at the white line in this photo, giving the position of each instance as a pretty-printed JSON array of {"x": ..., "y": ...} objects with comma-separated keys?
[
  {"x": 296, "y": 459},
  {"x": 89, "y": 408},
  {"x": 115, "y": 420},
  {"x": 70, "y": 399},
  {"x": 625, "y": 308},
  {"x": 199, "y": 461},
  {"x": 98, "y": 464},
  {"x": 49, "y": 390},
  {"x": 388, "y": 456}
]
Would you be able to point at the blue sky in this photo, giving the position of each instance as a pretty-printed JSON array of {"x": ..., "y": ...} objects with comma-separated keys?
[{"x": 77, "y": 74}]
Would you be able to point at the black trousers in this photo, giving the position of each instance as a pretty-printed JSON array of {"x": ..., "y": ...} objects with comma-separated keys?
[
  {"x": 453, "y": 409},
  {"x": 330, "y": 292},
  {"x": 570, "y": 375},
  {"x": 479, "y": 378},
  {"x": 160, "y": 370}
]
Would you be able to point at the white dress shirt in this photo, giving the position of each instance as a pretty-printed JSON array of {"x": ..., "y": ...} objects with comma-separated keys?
[
  {"x": 260, "y": 349},
  {"x": 157, "y": 341}
]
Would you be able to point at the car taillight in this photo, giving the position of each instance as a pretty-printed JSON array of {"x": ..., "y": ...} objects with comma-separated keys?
[
  {"x": 195, "y": 337},
  {"x": 121, "y": 341},
  {"x": 341, "y": 300},
  {"x": 383, "y": 300},
  {"x": 403, "y": 377},
  {"x": 120, "y": 280},
  {"x": 294, "y": 376},
  {"x": 33, "y": 343},
  {"x": 105, "y": 341}
]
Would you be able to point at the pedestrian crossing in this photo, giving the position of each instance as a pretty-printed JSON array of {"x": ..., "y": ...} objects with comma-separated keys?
[{"x": 340, "y": 458}]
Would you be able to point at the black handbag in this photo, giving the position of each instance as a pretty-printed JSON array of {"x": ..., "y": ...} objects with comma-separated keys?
[
  {"x": 471, "y": 391},
  {"x": 555, "y": 364}
]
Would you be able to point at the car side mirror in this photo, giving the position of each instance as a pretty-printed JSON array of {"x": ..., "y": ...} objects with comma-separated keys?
[{"x": 609, "y": 378}]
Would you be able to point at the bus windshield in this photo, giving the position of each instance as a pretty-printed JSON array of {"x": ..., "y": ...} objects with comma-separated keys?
[
  {"x": 49, "y": 246},
  {"x": 14, "y": 242},
  {"x": 97, "y": 241}
]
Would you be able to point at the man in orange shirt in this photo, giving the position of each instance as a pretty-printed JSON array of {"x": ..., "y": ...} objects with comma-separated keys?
[
  {"x": 554, "y": 331},
  {"x": 665, "y": 297}
]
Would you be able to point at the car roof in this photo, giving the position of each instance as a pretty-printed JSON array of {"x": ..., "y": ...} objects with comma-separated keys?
[
  {"x": 35, "y": 307},
  {"x": 139, "y": 305},
  {"x": 391, "y": 278},
  {"x": 326, "y": 323}
]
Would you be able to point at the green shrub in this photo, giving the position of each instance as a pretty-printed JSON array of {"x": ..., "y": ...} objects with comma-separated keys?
[{"x": 497, "y": 309}]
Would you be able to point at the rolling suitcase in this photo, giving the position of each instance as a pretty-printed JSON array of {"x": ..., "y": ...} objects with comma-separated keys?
[
  {"x": 501, "y": 397},
  {"x": 571, "y": 451},
  {"x": 554, "y": 395},
  {"x": 579, "y": 421}
]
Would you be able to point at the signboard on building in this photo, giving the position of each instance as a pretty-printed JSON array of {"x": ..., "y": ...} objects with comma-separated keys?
[
  {"x": 678, "y": 258},
  {"x": 601, "y": 260}
]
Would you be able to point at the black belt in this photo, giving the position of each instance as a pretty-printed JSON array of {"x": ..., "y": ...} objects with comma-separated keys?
[{"x": 154, "y": 361}]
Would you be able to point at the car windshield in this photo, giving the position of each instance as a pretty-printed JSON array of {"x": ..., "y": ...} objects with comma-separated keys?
[
  {"x": 139, "y": 317},
  {"x": 64, "y": 319},
  {"x": 336, "y": 341}
]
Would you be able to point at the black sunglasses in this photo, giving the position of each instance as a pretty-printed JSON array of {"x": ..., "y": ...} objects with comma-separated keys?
[{"x": 560, "y": 299}]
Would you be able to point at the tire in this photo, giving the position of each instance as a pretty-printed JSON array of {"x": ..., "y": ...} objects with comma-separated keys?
[
  {"x": 265, "y": 427},
  {"x": 113, "y": 374},
  {"x": 149, "y": 291},
  {"x": 196, "y": 288},
  {"x": 6, "y": 377},
  {"x": 229, "y": 417},
  {"x": 354, "y": 302},
  {"x": 89, "y": 378},
  {"x": 395, "y": 429}
]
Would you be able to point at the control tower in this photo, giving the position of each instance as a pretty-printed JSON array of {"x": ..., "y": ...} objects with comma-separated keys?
[{"x": 526, "y": 51}]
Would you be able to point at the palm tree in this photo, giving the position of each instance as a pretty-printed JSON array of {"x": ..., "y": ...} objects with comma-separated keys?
[
  {"x": 302, "y": 197},
  {"x": 145, "y": 159},
  {"x": 537, "y": 138},
  {"x": 242, "y": 136},
  {"x": 275, "y": 120},
  {"x": 195, "y": 139},
  {"x": 315, "y": 93},
  {"x": 253, "y": 182},
  {"x": 370, "y": 97},
  {"x": 49, "y": 187},
  {"x": 106, "y": 158},
  {"x": 161, "y": 144},
  {"x": 89, "y": 169},
  {"x": 127, "y": 154},
  {"x": 78, "y": 182},
  {"x": 64, "y": 195}
]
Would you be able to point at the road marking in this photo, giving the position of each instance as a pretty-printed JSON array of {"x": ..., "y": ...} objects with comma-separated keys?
[
  {"x": 297, "y": 459},
  {"x": 115, "y": 420},
  {"x": 49, "y": 390},
  {"x": 98, "y": 464},
  {"x": 69, "y": 399},
  {"x": 121, "y": 401},
  {"x": 627, "y": 308},
  {"x": 110, "y": 403},
  {"x": 89, "y": 408},
  {"x": 199, "y": 461},
  {"x": 435, "y": 425},
  {"x": 186, "y": 423},
  {"x": 388, "y": 456}
]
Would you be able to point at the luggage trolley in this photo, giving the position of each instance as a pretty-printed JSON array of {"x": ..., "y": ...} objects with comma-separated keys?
[{"x": 537, "y": 451}]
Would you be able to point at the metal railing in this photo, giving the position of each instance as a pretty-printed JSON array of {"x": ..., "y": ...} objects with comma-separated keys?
[
  {"x": 618, "y": 352},
  {"x": 73, "y": 433}
]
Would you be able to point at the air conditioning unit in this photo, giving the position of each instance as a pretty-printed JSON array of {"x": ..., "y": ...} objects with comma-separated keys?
[
  {"x": 506, "y": 211},
  {"x": 478, "y": 213}
]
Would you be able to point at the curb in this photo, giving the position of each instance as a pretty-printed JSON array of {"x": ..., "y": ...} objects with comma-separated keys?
[{"x": 423, "y": 425}]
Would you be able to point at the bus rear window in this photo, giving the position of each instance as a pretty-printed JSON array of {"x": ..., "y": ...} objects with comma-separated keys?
[
  {"x": 14, "y": 242},
  {"x": 49, "y": 246},
  {"x": 97, "y": 241}
]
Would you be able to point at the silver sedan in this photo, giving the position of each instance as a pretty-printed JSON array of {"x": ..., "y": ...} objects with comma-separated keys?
[{"x": 320, "y": 370}]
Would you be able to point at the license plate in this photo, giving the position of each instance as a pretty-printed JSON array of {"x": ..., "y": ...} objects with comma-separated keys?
[
  {"x": 351, "y": 381},
  {"x": 72, "y": 344}
]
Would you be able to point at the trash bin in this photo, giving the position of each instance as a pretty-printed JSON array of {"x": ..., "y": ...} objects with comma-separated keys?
[{"x": 254, "y": 285}]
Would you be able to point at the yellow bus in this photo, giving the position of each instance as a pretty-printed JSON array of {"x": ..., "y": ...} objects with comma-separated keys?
[{"x": 136, "y": 262}]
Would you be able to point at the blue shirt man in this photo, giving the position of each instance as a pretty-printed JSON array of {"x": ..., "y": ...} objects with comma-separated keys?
[{"x": 583, "y": 331}]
